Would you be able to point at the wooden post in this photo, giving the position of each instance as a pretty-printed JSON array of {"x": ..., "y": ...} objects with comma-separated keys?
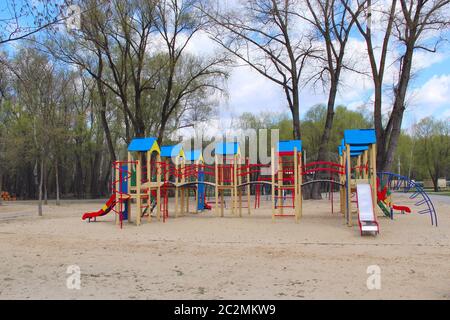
[
  {"x": 138, "y": 188},
  {"x": 216, "y": 187},
  {"x": 183, "y": 189},
  {"x": 158, "y": 186},
  {"x": 177, "y": 159},
  {"x": 188, "y": 194},
  {"x": 130, "y": 170},
  {"x": 116, "y": 187},
  {"x": 272, "y": 167},
  {"x": 365, "y": 162},
  {"x": 358, "y": 167},
  {"x": 239, "y": 190},
  {"x": 342, "y": 181},
  {"x": 300, "y": 182},
  {"x": 373, "y": 176},
  {"x": 280, "y": 185},
  {"x": 295, "y": 192},
  {"x": 149, "y": 182},
  {"x": 149, "y": 167},
  {"x": 248, "y": 176},
  {"x": 348, "y": 168},
  {"x": 235, "y": 182}
]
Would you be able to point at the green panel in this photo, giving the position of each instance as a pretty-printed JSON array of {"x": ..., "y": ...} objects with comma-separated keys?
[
  {"x": 385, "y": 210},
  {"x": 133, "y": 178}
]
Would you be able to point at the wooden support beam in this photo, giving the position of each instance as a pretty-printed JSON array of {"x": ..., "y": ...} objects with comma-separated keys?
[
  {"x": 216, "y": 188},
  {"x": 138, "y": 188},
  {"x": 248, "y": 177},
  {"x": 365, "y": 162},
  {"x": 373, "y": 176},
  {"x": 295, "y": 195},
  {"x": 177, "y": 179},
  {"x": 348, "y": 168},
  {"x": 272, "y": 168},
  {"x": 130, "y": 170},
  {"x": 158, "y": 187},
  {"x": 300, "y": 182}
]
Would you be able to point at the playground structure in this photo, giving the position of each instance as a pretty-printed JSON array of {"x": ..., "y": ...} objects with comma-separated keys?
[
  {"x": 151, "y": 174},
  {"x": 6, "y": 196}
]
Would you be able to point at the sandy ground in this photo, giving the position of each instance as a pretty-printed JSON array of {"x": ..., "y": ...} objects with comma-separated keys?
[{"x": 206, "y": 257}]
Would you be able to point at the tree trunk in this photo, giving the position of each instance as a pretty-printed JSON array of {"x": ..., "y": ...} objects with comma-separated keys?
[
  {"x": 1, "y": 186},
  {"x": 45, "y": 185},
  {"x": 323, "y": 147},
  {"x": 393, "y": 128},
  {"x": 41, "y": 180},
  {"x": 106, "y": 180},
  {"x": 162, "y": 129},
  {"x": 57, "y": 183},
  {"x": 94, "y": 175},
  {"x": 104, "y": 121},
  {"x": 103, "y": 105},
  {"x": 296, "y": 119},
  {"x": 78, "y": 183},
  {"x": 378, "y": 123}
]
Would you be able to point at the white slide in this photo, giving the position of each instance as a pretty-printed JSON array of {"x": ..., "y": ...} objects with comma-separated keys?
[{"x": 366, "y": 216}]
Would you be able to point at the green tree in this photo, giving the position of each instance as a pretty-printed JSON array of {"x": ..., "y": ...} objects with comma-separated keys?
[{"x": 433, "y": 147}]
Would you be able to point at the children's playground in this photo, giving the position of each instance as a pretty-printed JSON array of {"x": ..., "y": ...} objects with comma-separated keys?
[
  {"x": 143, "y": 184},
  {"x": 176, "y": 227}
]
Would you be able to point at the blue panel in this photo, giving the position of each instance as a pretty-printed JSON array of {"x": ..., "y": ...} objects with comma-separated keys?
[
  {"x": 360, "y": 137},
  {"x": 141, "y": 144},
  {"x": 358, "y": 148},
  {"x": 201, "y": 191},
  {"x": 170, "y": 151},
  {"x": 124, "y": 188},
  {"x": 289, "y": 145},
  {"x": 229, "y": 148},
  {"x": 355, "y": 153},
  {"x": 192, "y": 155}
]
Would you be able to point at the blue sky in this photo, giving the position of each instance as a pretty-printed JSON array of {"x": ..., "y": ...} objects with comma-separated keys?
[
  {"x": 249, "y": 91},
  {"x": 429, "y": 91}
]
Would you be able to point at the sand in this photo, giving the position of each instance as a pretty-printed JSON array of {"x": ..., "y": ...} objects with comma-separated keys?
[{"x": 206, "y": 257}]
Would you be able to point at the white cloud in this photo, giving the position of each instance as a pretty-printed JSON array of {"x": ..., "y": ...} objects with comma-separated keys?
[
  {"x": 435, "y": 92},
  {"x": 431, "y": 99}
]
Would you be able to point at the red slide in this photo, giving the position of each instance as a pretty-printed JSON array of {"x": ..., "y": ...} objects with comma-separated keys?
[
  {"x": 401, "y": 208},
  {"x": 104, "y": 210},
  {"x": 207, "y": 206}
]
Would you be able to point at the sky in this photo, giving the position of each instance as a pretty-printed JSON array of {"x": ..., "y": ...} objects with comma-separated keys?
[
  {"x": 429, "y": 89},
  {"x": 248, "y": 91}
]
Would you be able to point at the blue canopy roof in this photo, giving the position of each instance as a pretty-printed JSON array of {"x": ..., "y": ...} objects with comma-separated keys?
[
  {"x": 141, "y": 144},
  {"x": 360, "y": 137},
  {"x": 354, "y": 150},
  {"x": 170, "y": 151},
  {"x": 193, "y": 155},
  {"x": 228, "y": 148},
  {"x": 289, "y": 145}
]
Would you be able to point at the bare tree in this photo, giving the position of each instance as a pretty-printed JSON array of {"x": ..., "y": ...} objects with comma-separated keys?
[
  {"x": 410, "y": 23},
  {"x": 265, "y": 35},
  {"x": 333, "y": 23},
  {"x": 184, "y": 75},
  {"x": 21, "y": 19},
  {"x": 419, "y": 27}
]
